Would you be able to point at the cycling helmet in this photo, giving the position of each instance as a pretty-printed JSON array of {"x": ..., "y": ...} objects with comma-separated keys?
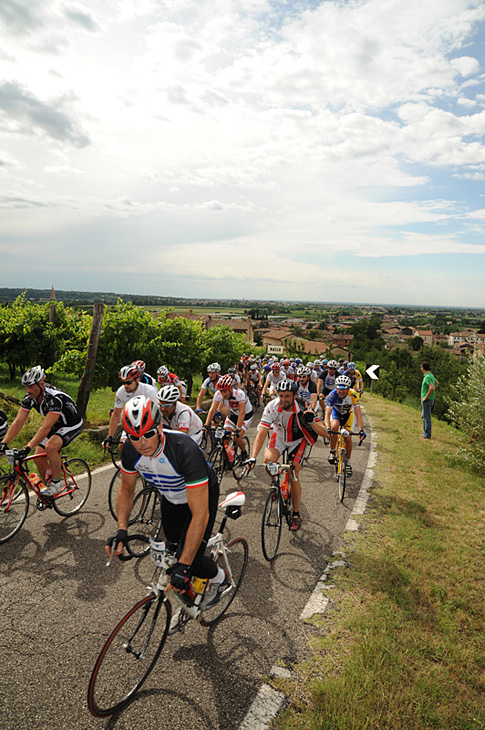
[
  {"x": 332, "y": 364},
  {"x": 232, "y": 371},
  {"x": 343, "y": 382},
  {"x": 287, "y": 385},
  {"x": 139, "y": 364},
  {"x": 225, "y": 383},
  {"x": 162, "y": 373},
  {"x": 253, "y": 367},
  {"x": 298, "y": 360},
  {"x": 302, "y": 371},
  {"x": 168, "y": 394},
  {"x": 351, "y": 365},
  {"x": 286, "y": 362},
  {"x": 267, "y": 368},
  {"x": 324, "y": 361},
  {"x": 275, "y": 366},
  {"x": 317, "y": 363},
  {"x": 130, "y": 371},
  {"x": 214, "y": 368},
  {"x": 141, "y": 415},
  {"x": 33, "y": 376}
]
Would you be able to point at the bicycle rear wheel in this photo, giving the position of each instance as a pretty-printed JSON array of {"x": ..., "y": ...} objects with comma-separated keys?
[
  {"x": 217, "y": 460},
  {"x": 240, "y": 469},
  {"x": 207, "y": 444},
  {"x": 78, "y": 485},
  {"x": 233, "y": 561},
  {"x": 146, "y": 515},
  {"x": 342, "y": 474},
  {"x": 14, "y": 506},
  {"x": 129, "y": 655},
  {"x": 113, "y": 491},
  {"x": 271, "y": 524}
]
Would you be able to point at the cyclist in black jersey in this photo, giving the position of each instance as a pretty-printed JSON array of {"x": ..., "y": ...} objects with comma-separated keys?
[
  {"x": 3, "y": 424},
  {"x": 174, "y": 464},
  {"x": 62, "y": 423}
]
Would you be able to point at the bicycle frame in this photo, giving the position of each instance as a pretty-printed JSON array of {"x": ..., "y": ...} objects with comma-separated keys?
[{"x": 20, "y": 471}]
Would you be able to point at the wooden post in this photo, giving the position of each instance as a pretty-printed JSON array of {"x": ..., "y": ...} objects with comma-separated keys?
[{"x": 88, "y": 375}]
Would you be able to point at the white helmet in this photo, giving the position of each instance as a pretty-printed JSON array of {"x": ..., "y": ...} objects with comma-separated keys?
[
  {"x": 214, "y": 368},
  {"x": 33, "y": 376},
  {"x": 168, "y": 394}
]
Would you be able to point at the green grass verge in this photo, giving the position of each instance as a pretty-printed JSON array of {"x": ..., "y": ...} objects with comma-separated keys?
[{"x": 403, "y": 647}]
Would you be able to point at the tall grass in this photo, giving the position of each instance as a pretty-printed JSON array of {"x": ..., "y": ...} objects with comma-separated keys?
[{"x": 404, "y": 649}]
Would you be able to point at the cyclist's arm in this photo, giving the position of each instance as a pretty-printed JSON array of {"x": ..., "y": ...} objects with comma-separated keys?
[
  {"x": 124, "y": 503},
  {"x": 43, "y": 431},
  {"x": 259, "y": 440},
  {"x": 114, "y": 420},
  {"x": 16, "y": 426},
  {"x": 198, "y": 502},
  {"x": 242, "y": 414},
  {"x": 211, "y": 413},
  {"x": 265, "y": 386},
  {"x": 358, "y": 416},
  {"x": 200, "y": 397},
  {"x": 313, "y": 399},
  {"x": 328, "y": 414},
  {"x": 319, "y": 387}
]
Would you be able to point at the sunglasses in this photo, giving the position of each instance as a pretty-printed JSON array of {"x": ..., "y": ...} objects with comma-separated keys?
[
  {"x": 148, "y": 435},
  {"x": 165, "y": 405},
  {"x": 128, "y": 382}
]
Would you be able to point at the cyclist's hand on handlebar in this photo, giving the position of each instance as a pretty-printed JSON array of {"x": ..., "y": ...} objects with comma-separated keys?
[
  {"x": 23, "y": 453},
  {"x": 251, "y": 463},
  {"x": 115, "y": 543},
  {"x": 107, "y": 442},
  {"x": 199, "y": 410},
  {"x": 180, "y": 577},
  {"x": 3, "y": 447},
  {"x": 362, "y": 434}
]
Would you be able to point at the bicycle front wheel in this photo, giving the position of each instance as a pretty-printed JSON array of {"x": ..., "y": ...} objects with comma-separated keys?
[
  {"x": 342, "y": 474},
  {"x": 240, "y": 469},
  {"x": 233, "y": 560},
  {"x": 76, "y": 489},
  {"x": 271, "y": 524},
  {"x": 129, "y": 655},
  {"x": 14, "y": 506},
  {"x": 146, "y": 515},
  {"x": 216, "y": 459}
]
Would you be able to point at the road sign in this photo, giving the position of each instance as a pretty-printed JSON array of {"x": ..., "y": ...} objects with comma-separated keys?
[
  {"x": 275, "y": 349},
  {"x": 373, "y": 372}
]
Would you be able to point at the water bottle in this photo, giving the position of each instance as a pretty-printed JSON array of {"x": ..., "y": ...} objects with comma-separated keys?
[
  {"x": 284, "y": 486},
  {"x": 230, "y": 453},
  {"x": 35, "y": 479},
  {"x": 199, "y": 584}
]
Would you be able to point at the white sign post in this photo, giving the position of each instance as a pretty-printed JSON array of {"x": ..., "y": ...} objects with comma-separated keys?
[{"x": 373, "y": 372}]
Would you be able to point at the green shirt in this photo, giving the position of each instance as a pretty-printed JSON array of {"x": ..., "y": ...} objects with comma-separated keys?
[{"x": 428, "y": 379}]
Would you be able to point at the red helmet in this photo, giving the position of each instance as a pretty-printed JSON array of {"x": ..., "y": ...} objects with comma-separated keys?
[
  {"x": 139, "y": 364},
  {"x": 275, "y": 366},
  {"x": 141, "y": 415},
  {"x": 225, "y": 383},
  {"x": 130, "y": 371}
]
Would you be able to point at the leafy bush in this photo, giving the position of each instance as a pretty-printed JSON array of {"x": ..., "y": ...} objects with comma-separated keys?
[{"x": 466, "y": 409}]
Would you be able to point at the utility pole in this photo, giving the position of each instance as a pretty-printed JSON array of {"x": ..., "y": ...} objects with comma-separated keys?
[{"x": 88, "y": 375}]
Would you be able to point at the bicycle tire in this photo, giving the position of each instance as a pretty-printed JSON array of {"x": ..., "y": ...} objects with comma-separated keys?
[
  {"x": 146, "y": 515},
  {"x": 271, "y": 524},
  {"x": 288, "y": 510},
  {"x": 78, "y": 479},
  {"x": 13, "y": 510},
  {"x": 208, "y": 442},
  {"x": 129, "y": 655},
  {"x": 137, "y": 545},
  {"x": 218, "y": 462},
  {"x": 240, "y": 469},
  {"x": 113, "y": 491},
  {"x": 342, "y": 474},
  {"x": 234, "y": 562}
]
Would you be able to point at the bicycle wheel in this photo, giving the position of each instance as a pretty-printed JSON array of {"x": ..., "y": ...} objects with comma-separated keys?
[
  {"x": 216, "y": 459},
  {"x": 78, "y": 483},
  {"x": 288, "y": 510},
  {"x": 233, "y": 560},
  {"x": 240, "y": 469},
  {"x": 342, "y": 474},
  {"x": 207, "y": 443},
  {"x": 146, "y": 515},
  {"x": 14, "y": 506},
  {"x": 271, "y": 524},
  {"x": 129, "y": 655},
  {"x": 113, "y": 491}
]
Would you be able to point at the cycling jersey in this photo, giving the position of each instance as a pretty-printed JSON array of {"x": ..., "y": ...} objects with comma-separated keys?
[
  {"x": 285, "y": 424},
  {"x": 273, "y": 380},
  {"x": 148, "y": 379},
  {"x": 237, "y": 397},
  {"x": 123, "y": 397},
  {"x": 328, "y": 381},
  {"x": 177, "y": 465},
  {"x": 184, "y": 419},
  {"x": 211, "y": 385},
  {"x": 342, "y": 407},
  {"x": 305, "y": 391},
  {"x": 3, "y": 424},
  {"x": 55, "y": 401},
  {"x": 355, "y": 377}
]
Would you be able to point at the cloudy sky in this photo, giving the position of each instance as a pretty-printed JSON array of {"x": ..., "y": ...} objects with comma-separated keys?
[{"x": 292, "y": 149}]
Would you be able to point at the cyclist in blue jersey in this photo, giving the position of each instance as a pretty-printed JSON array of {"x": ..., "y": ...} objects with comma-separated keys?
[{"x": 342, "y": 405}]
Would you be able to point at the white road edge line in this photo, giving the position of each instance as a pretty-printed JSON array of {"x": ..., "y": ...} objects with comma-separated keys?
[{"x": 269, "y": 702}]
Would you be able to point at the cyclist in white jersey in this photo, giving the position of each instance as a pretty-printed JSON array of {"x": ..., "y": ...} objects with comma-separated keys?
[
  {"x": 131, "y": 376},
  {"x": 240, "y": 409},
  {"x": 274, "y": 378},
  {"x": 179, "y": 416}
]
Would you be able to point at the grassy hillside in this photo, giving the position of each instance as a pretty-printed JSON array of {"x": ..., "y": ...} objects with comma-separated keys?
[{"x": 403, "y": 646}]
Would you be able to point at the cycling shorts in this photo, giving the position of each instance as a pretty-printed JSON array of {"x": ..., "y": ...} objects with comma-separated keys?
[
  {"x": 296, "y": 449},
  {"x": 231, "y": 422},
  {"x": 66, "y": 433},
  {"x": 345, "y": 419}
]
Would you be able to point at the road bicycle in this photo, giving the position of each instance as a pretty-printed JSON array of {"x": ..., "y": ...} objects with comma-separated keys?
[
  {"x": 132, "y": 649},
  {"x": 278, "y": 506},
  {"x": 14, "y": 493},
  {"x": 341, "y": 459},
  {"x": 116, "y": 479},
  {"x": 225, "y": 457},
  {"x": 253, "y": 394}
]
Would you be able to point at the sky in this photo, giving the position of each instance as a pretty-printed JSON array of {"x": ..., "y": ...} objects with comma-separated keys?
[{"x": 258, "y": 149}]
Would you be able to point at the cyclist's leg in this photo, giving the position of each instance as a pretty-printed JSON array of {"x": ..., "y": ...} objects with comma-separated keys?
[
  {"x": 53, "y": 448},
  {"x": 348, "y": 441},
  {"x": 296, "y": 456}
]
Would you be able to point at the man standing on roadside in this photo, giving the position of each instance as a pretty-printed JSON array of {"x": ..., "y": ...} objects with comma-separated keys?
[{"x": 428, "y": 388}]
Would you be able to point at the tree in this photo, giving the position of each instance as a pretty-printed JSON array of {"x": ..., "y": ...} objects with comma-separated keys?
[
  {"x": 367, "y": 335},
  {"x": 466, "y": 409},
  {"x": 223, "y": 346}
]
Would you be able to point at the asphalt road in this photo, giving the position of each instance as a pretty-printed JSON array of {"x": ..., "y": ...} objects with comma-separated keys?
[{"x": 59, "y": 602}]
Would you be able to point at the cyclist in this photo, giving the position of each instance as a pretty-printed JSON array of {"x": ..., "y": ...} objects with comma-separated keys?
[
  {"x": 165, "y": 377},
  {"x": 291, "y": 433},
  {"x": 3, "y": 424},
  {"x": 355, "y": 378},
  {"x": 189, "y": 490},
  {"x": 326, "y": 381},
  {"x": 236, "y": 380},
  {"x": 132, "y": 386},
  {"x": 240, "y": 410},
  {"x": 307, "y": 390},
  {"x": 209, "y": 384},
  {"x": 342, "y": 404},
  {"x": 62, "y": 423},
  {"x": 274, "y": 377},
  {"x": 253, "y": 381},
  {"x": 145, "y": 377},
  {"x": 179, "y": 416}
]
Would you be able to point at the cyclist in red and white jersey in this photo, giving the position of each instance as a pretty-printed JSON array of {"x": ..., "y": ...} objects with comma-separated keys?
[
  {"x": 240, "y": 409},
  {"x": 165, "y": 377},
  {"x": 179, "y": 416},
  {"x": 132, "y": 386},
  {"x": 273, "y": 379}
]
